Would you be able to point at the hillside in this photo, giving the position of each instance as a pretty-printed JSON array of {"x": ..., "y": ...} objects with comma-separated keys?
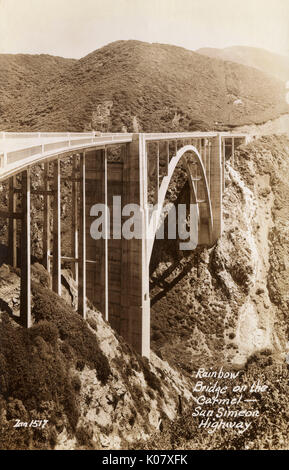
[
  {"x": 23, "y": 73},
  {"x": 273, "y": 64},
  {"x": 135, "y": 86},
  {"x": 93, "y": 389},
  {"x": 230, "y": 300}
]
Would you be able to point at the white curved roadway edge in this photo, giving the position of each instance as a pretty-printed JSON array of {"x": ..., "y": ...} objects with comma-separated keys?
[
  {"x": 26, "y": 144},
  {"x": 32, "y": 150}
]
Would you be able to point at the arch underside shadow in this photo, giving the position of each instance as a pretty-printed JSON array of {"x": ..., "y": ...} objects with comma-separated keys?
[{"x": 199, "y": 195}]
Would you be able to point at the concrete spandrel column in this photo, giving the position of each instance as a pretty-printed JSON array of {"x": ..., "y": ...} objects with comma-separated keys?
[
  {"x": 74, "y": 219},
  {"x": 56, "y": 264},
  {"x": 25, "y": 283},
  {"x": 46, "y": 220},
  {"x": 82, "y": 242},
  {"x": 12, "y": 224},
  {"x": 216, "y": 186}
]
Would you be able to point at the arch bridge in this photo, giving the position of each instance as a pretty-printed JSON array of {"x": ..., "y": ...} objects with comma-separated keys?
[{"x": 92, "y": 168}]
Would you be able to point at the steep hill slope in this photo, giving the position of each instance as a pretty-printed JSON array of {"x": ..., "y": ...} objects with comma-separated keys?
[
  {"x": 231, "y": 300},
  {"x": 139, "y": 86},
  {"x": 273, "y": 64},
  {"x": 94, "y": 391},
  {"x": 23, "y": 73}
]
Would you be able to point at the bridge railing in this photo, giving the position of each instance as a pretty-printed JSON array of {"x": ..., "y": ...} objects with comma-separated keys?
[
  {"x": 178, "y": 135},
  {"x": 44, "y": 135},
  {"x": 35, "y": 146},
  {"x": 16, "y": 155}
]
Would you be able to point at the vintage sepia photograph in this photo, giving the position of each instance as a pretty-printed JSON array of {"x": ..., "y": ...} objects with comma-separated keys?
[{"x": 144, "y": 227}]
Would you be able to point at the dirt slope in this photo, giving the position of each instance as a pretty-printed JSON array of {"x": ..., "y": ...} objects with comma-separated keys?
[
  {"x": 95, "y": 392},
  {"x": 131, "y": 85},
  {"x": 232, "y": 300}
]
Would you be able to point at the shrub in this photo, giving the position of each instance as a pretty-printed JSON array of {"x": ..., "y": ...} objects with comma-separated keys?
[
  {"x": 80, "y": 364},
  {"x": 34, "y": 365},
  {"x": 76, "y": 383},
  {"x": 72, "y": 329},
  {"x": 83, "y": 436},
  {"x": 47, "y": 330},
  {"x": 35, "y": 371},
  {"x": 151, "y": 379}
]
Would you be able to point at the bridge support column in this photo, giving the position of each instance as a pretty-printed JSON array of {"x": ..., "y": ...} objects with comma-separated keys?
[
  {"x": 96, "y": 192},
  {"x": 56, "y": 273},
  {"x": 158, "y": 172},
  {"x": 216, "y": 186},
  {"x": 46, "y": 220},
  {"x": 223, "y": 162},
  {"x": 25, "y": 283},
  {"x": 135, "y": 302},
  {"x": 233, "y": 152},
  {"x": 104, "y": 273},
  {"x": 153, "y": 162},
  {"x": 167, "y": 157},
  {"x": 12, "y": 224},
  {"x": 82, "y": 242},
  {"x": 74, "y": 219}
]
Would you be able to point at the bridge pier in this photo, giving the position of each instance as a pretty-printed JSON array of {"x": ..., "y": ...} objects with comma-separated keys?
[
  {"x": 82, "y": 240},
  {"x": 95, "y": 180},
  {"x": 117, "y": 272},
  {"x": 25, "y": 282},
  {"x": 56, "y": 264},
  {"x": 12, "y": 224},
  {"x": 46, "y": 219},
  {"x": 135, "y": 301},
  {"x": 74, "y": 219}
]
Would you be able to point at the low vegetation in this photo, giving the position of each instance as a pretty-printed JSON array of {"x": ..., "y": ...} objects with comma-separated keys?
[
  {"x": 268, "y": 431},
  {"x": 36, "y": 370}
]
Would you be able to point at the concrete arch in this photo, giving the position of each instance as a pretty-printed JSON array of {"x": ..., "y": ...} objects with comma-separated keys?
[{"x": 196, "y": 158}]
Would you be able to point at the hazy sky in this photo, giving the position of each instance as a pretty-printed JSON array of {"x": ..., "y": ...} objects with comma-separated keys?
[{"x": 73, "y": 28}]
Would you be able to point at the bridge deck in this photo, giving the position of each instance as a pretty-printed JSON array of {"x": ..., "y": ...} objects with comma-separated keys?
[{"x": 19, "y": 150}]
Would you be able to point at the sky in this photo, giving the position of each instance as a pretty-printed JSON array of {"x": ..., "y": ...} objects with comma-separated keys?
[{"x": 74, "y": 28}]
